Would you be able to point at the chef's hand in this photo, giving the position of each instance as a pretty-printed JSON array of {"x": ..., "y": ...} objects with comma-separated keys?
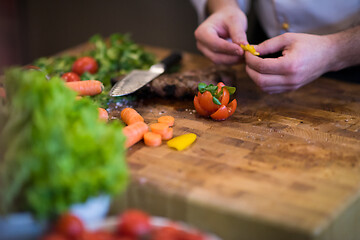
[
  {"x": 226, "y": 22},
  {"x": 304, "y": 58}
]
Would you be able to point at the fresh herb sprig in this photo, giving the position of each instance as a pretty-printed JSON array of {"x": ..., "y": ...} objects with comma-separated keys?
[{"x": 203, "y": 87}]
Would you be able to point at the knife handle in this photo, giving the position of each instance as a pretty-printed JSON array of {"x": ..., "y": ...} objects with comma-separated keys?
[{"x": 171, "y": 60}]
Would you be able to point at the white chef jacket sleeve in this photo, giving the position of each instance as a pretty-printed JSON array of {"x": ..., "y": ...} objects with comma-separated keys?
[{"x": 200, "y": 7}]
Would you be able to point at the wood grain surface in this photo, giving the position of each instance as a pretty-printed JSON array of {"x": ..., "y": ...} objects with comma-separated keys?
[{"x": 284, "y": 166}]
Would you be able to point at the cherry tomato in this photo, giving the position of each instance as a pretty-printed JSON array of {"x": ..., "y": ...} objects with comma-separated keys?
[
  {"x": 134, "y": 223},
  {"x": 124, "y": 238},
  {"x": 221, "y": 114},
  {"x": 88, "y": 236},
  {"x": 70, "y": 77},
  {"x": 102, "y": 235},
  {"x": 205, "y": 105},
  {"x": 206, "y": 102},
  {"x": 54, "y": 236},
  {"x": 70, "y": 226},
  {"x": 225, "y": 96},
  {"x": 199, "y": 109},
  {"x": 85, "y": 64},
  {"x": 173, "y": 233},
  {"x": 232, "y": 107}
]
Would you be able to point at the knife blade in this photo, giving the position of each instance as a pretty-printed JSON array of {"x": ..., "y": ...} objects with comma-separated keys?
[{"x": 136, "y": 79}]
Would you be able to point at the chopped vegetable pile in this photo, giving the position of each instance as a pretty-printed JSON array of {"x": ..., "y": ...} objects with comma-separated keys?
[
  {"x": 117, "y": 56},
  {"x": 54, "y": 149}
]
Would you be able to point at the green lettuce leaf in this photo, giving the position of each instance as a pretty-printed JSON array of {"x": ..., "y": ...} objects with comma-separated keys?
[{"x": 54, "y": 151}]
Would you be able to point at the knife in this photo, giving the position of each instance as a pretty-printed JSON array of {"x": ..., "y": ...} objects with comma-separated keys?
[{"x": 136, "y": 79}]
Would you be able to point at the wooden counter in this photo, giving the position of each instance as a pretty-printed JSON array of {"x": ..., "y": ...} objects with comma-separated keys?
[{"x": 284, "y": 166}]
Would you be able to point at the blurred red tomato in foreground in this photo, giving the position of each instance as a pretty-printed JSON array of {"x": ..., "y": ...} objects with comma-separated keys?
[
  {"x": 70, "y": 226},
  {"x": 134, "y": 223}
]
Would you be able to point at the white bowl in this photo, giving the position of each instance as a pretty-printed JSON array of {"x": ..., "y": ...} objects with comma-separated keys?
[{"x": 22, "y": 226}]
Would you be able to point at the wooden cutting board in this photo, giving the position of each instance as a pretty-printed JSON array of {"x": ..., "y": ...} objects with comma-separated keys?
[{"x": 284, "y": 166}]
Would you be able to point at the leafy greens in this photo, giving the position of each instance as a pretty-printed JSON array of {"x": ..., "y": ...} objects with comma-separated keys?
[{"x": 54, "y": 151}]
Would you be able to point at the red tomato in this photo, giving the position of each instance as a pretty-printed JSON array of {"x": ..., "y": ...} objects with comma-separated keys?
[
  {"x": 205, "y": 106},
  {"x": 134, "y": 223},
  {"x": 88, "y": 236},
  {"x": 103, "y": 235},
  {"x": 221, "y": 114},
  {"x": 206, "y": 102},
  {"x": 199, "y": 109},
  {"x": 53, "y": 236},
  {"x": 124, "y": 238},
  {"x": 225, "y": 97},
  {"x": 85, "y": 64},
  {"x": 70, "y": 226},
  {"x": 232, "y": 107},
  {"x": 173, "y": 233},
  {"x": 70, "y": 77}
]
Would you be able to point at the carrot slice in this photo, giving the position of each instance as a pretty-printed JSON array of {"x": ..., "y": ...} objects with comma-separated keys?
[
  {"x": 134, "y": 133},
  {"x": 167, "y": 119},
  {"x": 160, "y": 128},
  {"x": 152, "y": 139},
  {"x": 168, "y": 135},
  {"x": 103, "y": 114},
  {"x": 130, "y": 116},
  {"x": 86, "y": 87}
]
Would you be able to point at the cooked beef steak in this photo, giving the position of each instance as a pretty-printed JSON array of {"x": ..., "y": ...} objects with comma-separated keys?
[{"x": 184, "y": 84}]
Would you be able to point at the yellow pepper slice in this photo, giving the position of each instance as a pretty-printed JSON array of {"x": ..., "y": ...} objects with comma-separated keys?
[
  {"x": 181, "y": 142},
  {"x": 250, "y": 48}
]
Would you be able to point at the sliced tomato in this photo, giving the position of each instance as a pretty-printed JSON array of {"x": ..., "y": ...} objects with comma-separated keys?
[
  {"x": 199, "y": 109},
  {"x": 232, "y": 107},
  {"x": 225, "y": 97},
  {"x": 206, "y": 102},
  {"x": 221, "y": 114},
  {"x": 220, "y": 85}
]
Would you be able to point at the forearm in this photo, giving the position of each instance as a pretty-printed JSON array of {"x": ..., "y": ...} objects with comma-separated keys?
[{"x": 346, "y": 48}]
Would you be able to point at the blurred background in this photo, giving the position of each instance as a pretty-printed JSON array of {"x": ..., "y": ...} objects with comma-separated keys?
[{"x": 34, "y": 28}]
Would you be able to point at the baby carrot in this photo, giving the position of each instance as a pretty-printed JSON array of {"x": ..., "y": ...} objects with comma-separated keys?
[
  {"x": 86, "y": 87},
  {"x": 160, "y": 128},
  {"x": 103, "y": 114},
  {"x": 152, "y": 139},
  {"x": 2, "y": 93},
  {"x": 168, "y": 135},
  {"x": 167, "y": 119},
  {"x": 130, "y": 116},
  {"x": 134, "y": 133}
]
